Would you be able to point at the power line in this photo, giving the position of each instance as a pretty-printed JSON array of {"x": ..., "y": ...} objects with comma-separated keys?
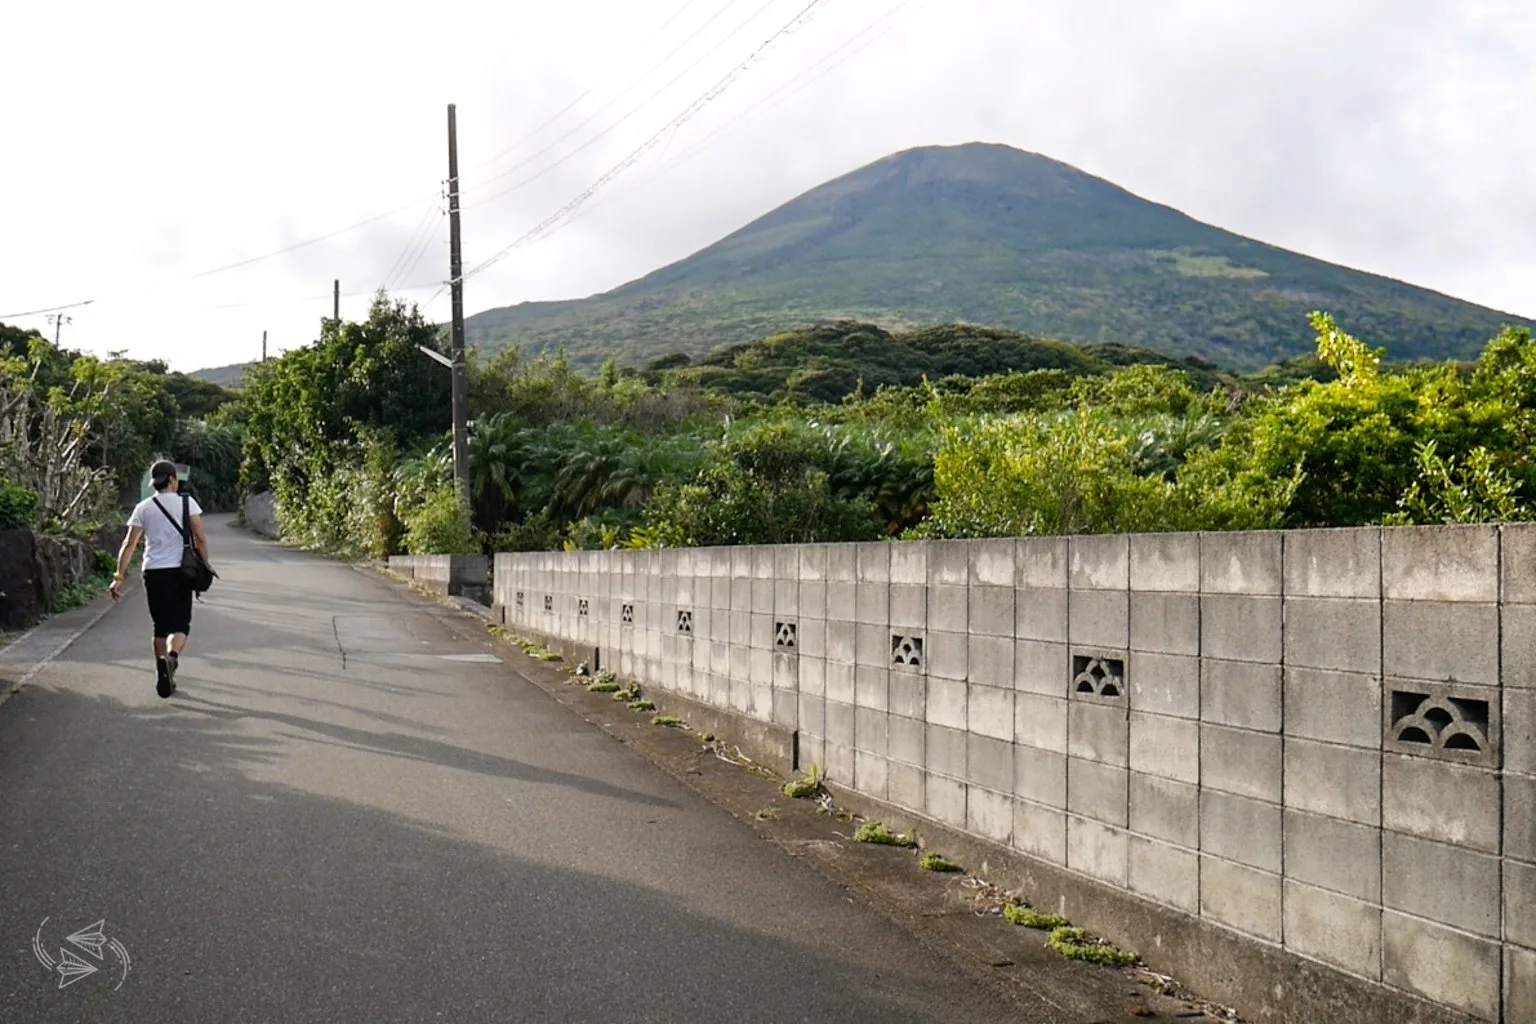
[
  {"x": 605, "y": 107},
  {"x": 574, "y": 103},
  {"x": 719, "y": 87},
  {"x": 410, "y": 246},
  {"x": 45, "y": 309}
]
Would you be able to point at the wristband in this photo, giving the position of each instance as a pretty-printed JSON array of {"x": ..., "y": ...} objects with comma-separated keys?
[{"x": 117, "y": 577}]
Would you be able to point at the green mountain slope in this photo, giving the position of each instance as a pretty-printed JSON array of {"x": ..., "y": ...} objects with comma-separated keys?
[
  {"x": 231, "y": 376},
  {"x": 991, "y": 235}
]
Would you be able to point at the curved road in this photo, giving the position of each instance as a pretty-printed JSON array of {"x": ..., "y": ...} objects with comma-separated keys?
[{"x": 332, "y": 821}]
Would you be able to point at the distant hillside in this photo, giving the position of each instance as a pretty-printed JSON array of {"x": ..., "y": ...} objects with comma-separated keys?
[
  {"x": 225, "y": 376},
  {"x": 991, "y": 235},
  {"x": 826, "y": 364}
]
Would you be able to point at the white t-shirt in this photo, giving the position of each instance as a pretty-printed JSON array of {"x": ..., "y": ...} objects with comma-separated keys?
[{"x": 162, "y": 541}]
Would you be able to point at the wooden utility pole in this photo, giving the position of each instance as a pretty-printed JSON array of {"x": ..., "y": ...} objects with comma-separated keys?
[
  {"x": 456, "y": 285},
  {"x": 336, "y": 301},
  {"x": 263, "y": 346}
]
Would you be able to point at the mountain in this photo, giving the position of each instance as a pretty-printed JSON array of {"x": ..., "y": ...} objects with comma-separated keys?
[
  {"x": 987, "y": 234},
  {"x": 231, "y": 376}
]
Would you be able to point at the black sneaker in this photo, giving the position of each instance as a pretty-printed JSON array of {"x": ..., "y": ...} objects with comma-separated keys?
[{"x": 163, "y": 684}]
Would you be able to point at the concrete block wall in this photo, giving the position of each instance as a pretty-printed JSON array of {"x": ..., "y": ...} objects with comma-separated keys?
[{"x": 1322, "y": 743}]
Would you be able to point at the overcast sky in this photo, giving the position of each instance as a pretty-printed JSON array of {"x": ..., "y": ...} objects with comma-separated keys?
[{"x": 145, "y": 144}]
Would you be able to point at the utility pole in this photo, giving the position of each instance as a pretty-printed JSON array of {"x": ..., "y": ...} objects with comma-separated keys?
[
  {"x": 263, "y": 346},
  {"x": 456, "y": 285},
  {"x": 59, "y": 320},
  {"x": 336, "y": 301}
]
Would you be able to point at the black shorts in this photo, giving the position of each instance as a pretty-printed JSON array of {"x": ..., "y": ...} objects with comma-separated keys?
[{"x": 170, "y": 601}]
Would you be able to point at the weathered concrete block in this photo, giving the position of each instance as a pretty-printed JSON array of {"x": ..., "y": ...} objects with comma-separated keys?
[
  {"x": 1520, "y": 731},
  {"x": 989, "y": 763},
  {"x": 1040, "y": 776},
  {"x": 946, "y": 703},
  {"x": 946, "y": 752},
  {"x": 1098, "y": 791},
  {"x": 1443, "y": 883},
  {"x": 813, "y": 598},
  {"x": 761, "y": 670},
  {"x": 839, "y": 719},
  {"x": 740, "y": 631},
  {"x": 811, "y": 638},
  {"x": 908, "y": 695},
  {"x": 872, "y": 646},
  {"x": 1341, "y": 782},
  {"x": 1440, "y": 563},
  {"x": 946, "y": 654},
  {"x": 1169, "y": 747},
  {"x": 1241, "y": 628},
  {"x": 949, "y": 563},
  {"x": 1165, "y": 684},
  {"x": 741, "y": 594},
  {"x": 843, "y": 562},
  {"x": 870, "y": 773},
  {"x": 1441, "y": 965},
  {"x": 1098, "y": 732},
  {"x": 873, "y": 604},
  {"x": 1333, "y": 563},
  {"x": 1042, "y": 668},
  {"x": 1333, "y": 928},
  {"x": 949, "y": 608},
  {"x": 990, "y": 660},
  {"x": 762, "y": 597},
  {"x": 1097, "y": 850},
  {"x": 989, "y": 712},
  {"x": 1241, "y": 829},
  {"x": 786, "y": 562},
  {"x": 1333, "y": 633},
  {"x": 839, "y": 768},
  {"x": 1042, "y": 563},
  {"x": 1166, "y": 809},
  {"x": 1164, "y": 873},
  {"x": 909, "y": 563},
  {"x": 763, "y": 629},
  {"x": 1333, "y": 854},
  {"x": 1519, "y": 984},
  {"x": 1339, "y": 707},
  {"x": 840, "y": 641},
  {"x": 1040, "y": 722},
  {"x": 869, "y": 733},
  {"x": 992, "y": 563},
  {"x": 1244, "y": 694},
  {"x": 1240, "y": 762},
  {"x": 873, "y": 562},
  {"x": 1520, "y": 817},
  {"x": 842, "y": 601},
  {"x": 1439, "y": 800},
  {"x": 1165, "y": 623},
  {"x": 909, "y": 606},
  {"x": 906, "y": 786},
  {"x": 989, "y": 814},
  {"x": 1041, "y": 614},
  {"x": 1440, "y": 641},
  {"x": 1040, "y": 831},
  {"x": 813, "y": 562},
  {"x": 1165, "y": 562},
  {"x": 1520, "y": 902},
  {"x": 906, "y": 740},
  {"x": 841, "y": 686},
  {"x": 946, "y": 800},
  {"x": 991, "y": 611},
  {"x": 1240, "y": 896},
  {"x": 1241, "y": 563},
  {"x": 811, "y": 714},
  {"x": 870, "y": 687},
  {"x": 1100, "y": 562},
  {"x": 1099, "y": 618}
]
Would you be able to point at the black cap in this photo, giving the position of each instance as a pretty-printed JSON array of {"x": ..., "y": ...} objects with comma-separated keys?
[{"x": 161, "y": 473}]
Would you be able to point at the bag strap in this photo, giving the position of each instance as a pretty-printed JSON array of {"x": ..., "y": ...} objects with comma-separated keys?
[{"x": 172, "y": 519}]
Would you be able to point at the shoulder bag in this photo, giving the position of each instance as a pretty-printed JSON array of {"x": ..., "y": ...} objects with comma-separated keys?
[{"x": 192, "y": 564}]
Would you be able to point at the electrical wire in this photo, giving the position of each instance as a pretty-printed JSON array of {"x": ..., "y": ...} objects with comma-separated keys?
[
  {"x": 423, "y": 225},
  {"x": 544, "y": 226},
  {"x": 605, "y": 107},
  {"x": 45, "y": 309}
]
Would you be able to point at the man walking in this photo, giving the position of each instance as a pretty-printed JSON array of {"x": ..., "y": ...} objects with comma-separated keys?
[{"x": 167, "y": 524}]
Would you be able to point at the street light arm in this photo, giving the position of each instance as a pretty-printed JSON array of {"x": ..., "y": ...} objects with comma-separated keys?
[{"x": 436, "y": 356}]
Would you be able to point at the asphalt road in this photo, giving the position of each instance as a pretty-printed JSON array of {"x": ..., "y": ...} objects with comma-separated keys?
[{"x": 334, "y": 821}]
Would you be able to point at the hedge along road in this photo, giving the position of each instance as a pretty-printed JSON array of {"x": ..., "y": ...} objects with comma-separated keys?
[{"x": 389, "y": 835}]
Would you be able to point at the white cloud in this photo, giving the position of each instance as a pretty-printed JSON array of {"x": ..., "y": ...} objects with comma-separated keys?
[{"x": 146, "y": 144}]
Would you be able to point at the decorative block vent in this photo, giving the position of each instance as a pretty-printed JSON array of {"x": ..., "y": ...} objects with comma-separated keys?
[
  {"x": 685, "y": 622},
  {"x": 1099, "y": 677},
  {"x": 582, "y": 607},
  {"x": 519, "y": 598},
  {"x": 784, "y": 635},
  {"x": 549, "y": 602},
  {"x": 627, "y": 616},
  {"x": 906, "y": 651},
  {"x": 1454, "y": 723}
]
